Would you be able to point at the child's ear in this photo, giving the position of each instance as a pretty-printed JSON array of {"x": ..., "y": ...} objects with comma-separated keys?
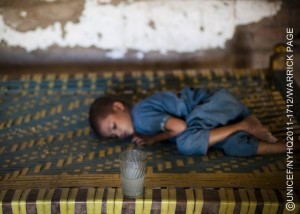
[{"x": 118, "y": 106}]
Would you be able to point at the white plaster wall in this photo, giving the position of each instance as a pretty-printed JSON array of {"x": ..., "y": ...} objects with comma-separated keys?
[{"x": 117, "y": 28}]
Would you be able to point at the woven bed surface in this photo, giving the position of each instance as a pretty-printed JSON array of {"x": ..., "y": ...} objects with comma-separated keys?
[{"x": 45, "y": 139}]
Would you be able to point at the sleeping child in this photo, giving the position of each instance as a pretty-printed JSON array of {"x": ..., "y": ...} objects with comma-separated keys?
[{"x": 195, "y": 119}]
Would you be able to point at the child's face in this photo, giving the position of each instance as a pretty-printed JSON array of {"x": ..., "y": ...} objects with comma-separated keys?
[{"x": 117, "y": 124}]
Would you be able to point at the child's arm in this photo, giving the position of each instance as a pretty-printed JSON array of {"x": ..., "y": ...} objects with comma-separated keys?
[{"x": 174, "y": 126}]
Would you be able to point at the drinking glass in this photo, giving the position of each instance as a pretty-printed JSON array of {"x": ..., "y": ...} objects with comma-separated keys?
[{"x": 133, "y": 169}]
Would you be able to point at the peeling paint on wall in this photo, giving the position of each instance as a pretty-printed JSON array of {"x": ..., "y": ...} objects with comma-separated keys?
[
  {"x": 41, "y": 14},
  {"x": 144, "y": 26}
]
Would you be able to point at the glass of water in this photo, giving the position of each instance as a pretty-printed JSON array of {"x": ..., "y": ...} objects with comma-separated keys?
[{"x": 133, "y": 169}]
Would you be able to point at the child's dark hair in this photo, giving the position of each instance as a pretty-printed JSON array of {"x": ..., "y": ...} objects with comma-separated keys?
[{"x": 100, "y": 109}]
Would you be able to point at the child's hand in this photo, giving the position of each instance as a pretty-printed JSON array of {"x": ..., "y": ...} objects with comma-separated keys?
[{"x": 142, "y": 140}]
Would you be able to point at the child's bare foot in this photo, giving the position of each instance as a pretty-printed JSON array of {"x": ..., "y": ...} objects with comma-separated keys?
[{"x": 255, "y": 128}]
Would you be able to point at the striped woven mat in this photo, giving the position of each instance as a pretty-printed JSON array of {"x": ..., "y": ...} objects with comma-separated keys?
[
  {"x": 46, "y": 142},
  {"x": 158, "y": 200}
]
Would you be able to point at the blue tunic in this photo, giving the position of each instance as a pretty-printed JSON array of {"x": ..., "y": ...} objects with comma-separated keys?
[{"x": 202, "y": 110}]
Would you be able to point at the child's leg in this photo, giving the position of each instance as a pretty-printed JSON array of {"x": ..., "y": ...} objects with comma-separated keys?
[
  {"x": 250, "y": 124},
  {"x": 273, "y": 148},
  {"x": 255, "y": 128},
  {"x": 268, "y": 148},
  {"x": 240, "y": 144},
  {"x": 246, "y": 138}
]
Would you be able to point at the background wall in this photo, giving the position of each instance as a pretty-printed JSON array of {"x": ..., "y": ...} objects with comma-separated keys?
[{"x": 219, "y": 33}]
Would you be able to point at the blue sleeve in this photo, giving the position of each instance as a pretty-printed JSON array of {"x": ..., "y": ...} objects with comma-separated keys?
[
  {"x": 150, "y": 115},
  {"x": 149, "y": 121}
]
